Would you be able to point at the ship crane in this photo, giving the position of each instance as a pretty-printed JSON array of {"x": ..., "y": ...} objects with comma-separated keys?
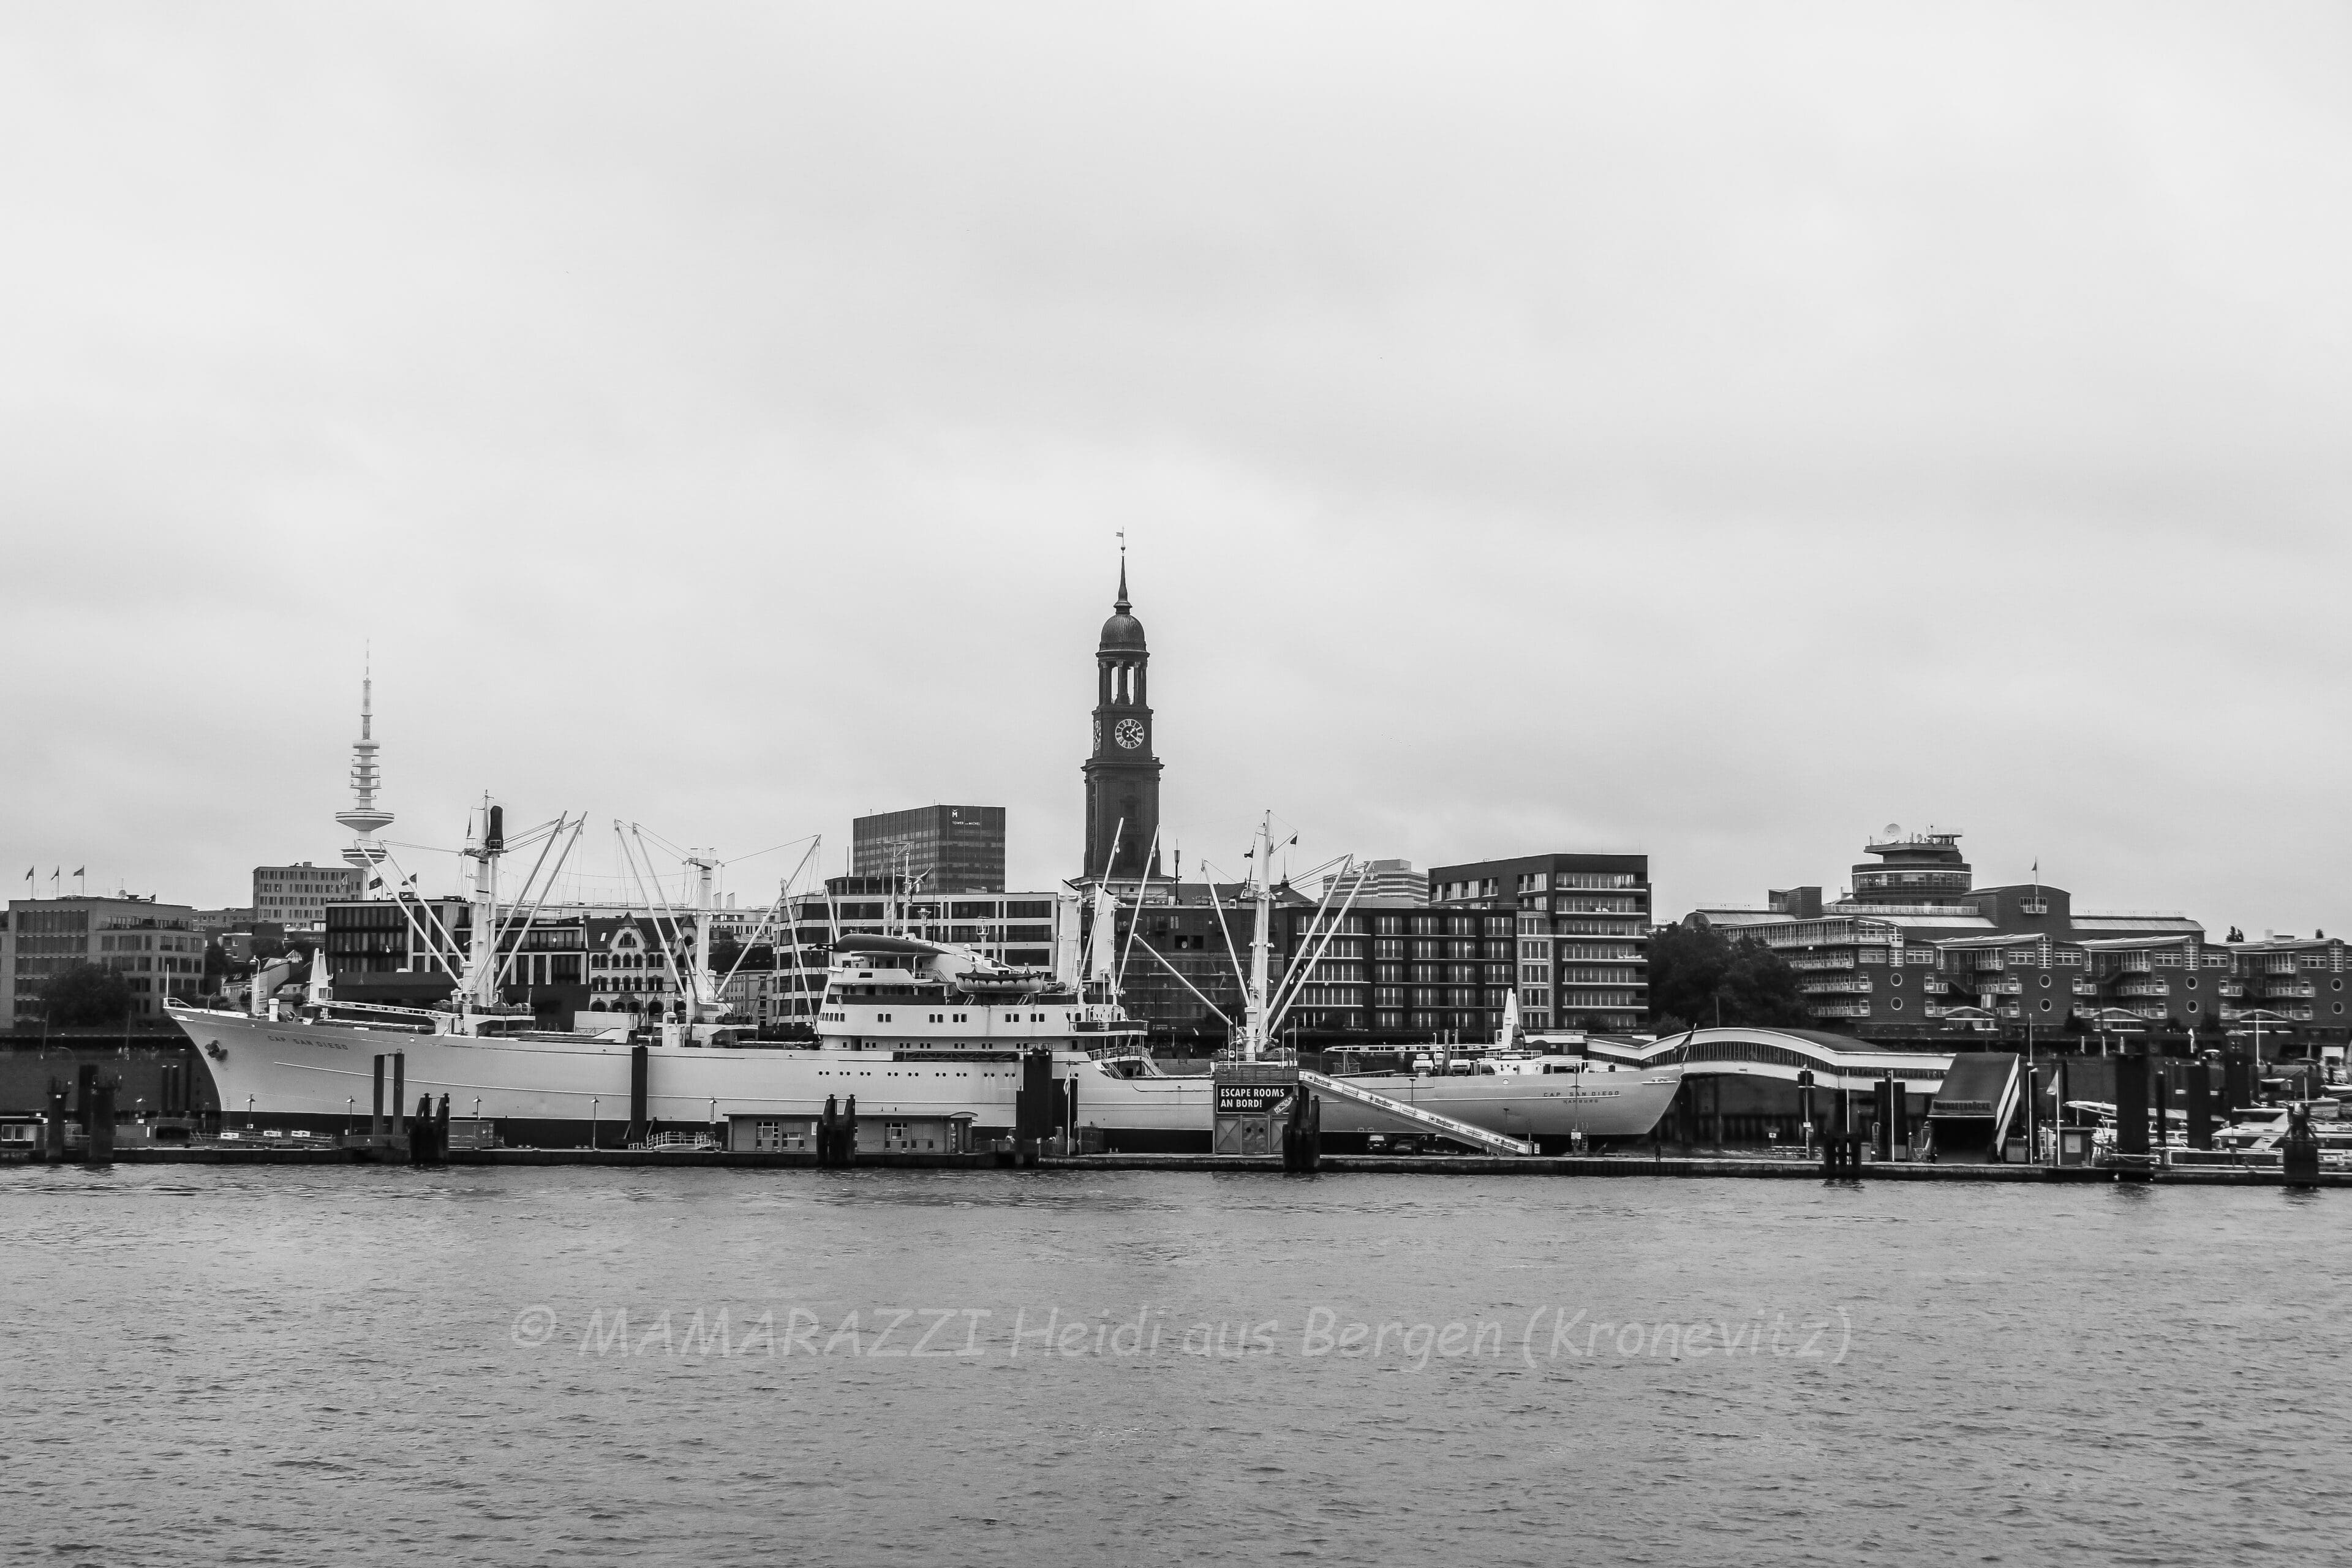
[
  {"x": 683, "y": 932},
  {"x": 1266, "y": 1002}
]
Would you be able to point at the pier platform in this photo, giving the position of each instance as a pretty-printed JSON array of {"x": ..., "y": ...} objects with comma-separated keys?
[{"x": 1720, "y": 1167}]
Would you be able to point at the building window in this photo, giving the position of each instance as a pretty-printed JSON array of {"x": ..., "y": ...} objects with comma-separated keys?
[
  {"x": 1896, "y": 1004},
  {"x": 2045, "y": 1006}
]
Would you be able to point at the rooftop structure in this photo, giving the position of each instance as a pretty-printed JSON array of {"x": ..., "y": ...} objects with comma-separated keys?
[
  {"x": 1391, "y": 880},
  {"x": 1913, "y": 869}
]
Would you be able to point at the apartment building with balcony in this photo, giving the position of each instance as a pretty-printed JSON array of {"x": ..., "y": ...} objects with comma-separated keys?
[
  {"x": 2166, "y": 983},
  {"x": 2185, "y": 985},
  {"x": 1875, "y": 960},
  {"x": 2027, "y": 980},
  {"x": 1575, "y": 945},
  {"x": 2303, "y": 980}
]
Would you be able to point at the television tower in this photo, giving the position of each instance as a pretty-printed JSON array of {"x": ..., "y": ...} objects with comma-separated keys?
[{"x": 364, "y": 818}]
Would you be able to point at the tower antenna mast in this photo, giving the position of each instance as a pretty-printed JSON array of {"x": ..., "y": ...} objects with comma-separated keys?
[{"x": 364, "y": 818}]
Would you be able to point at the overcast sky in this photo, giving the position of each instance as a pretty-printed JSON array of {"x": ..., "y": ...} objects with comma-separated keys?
[{"x": 1713, "y": 431}]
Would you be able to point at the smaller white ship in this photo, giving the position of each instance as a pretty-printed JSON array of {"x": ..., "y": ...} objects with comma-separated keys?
[{"x": 1523, "y": 1090}]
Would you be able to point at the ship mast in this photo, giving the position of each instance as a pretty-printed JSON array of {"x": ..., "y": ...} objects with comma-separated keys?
[
  {"x": 481, "y": 983},
  {"x": 1253, "y": 1014},
  {"x": 703, "y": 1000}
]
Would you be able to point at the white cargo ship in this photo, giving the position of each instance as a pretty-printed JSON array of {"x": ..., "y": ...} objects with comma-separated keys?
[
  {"x": 924, "y": 1034},
  {"x": 918, "y": 1031}
]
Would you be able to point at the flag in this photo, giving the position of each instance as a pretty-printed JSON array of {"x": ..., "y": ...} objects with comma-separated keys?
[{"x": 79, "y": 869}]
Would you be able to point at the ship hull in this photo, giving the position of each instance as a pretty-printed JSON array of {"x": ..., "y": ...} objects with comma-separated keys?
[
  {"x": 323, "y": 1077},
  {"x": 1549, "y": 1108}
]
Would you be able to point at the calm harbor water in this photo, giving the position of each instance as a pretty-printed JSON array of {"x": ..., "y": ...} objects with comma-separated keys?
[{"x": 360, "y": 1365}]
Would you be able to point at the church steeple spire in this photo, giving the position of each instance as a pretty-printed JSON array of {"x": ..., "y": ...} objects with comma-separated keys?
[{"x": 1122, "y": 775}]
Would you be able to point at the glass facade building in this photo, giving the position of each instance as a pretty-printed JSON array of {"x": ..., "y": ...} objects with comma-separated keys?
[{"x": 938, "y": 849}]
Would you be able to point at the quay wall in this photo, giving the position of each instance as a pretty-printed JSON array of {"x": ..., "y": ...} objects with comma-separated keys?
[
  {"x": 1726, "y": 1168},
  {"x": 135, "y": 1061}
]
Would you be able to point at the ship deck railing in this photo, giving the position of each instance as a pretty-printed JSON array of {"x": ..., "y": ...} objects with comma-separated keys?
[{"x": 676, "y": 1143}]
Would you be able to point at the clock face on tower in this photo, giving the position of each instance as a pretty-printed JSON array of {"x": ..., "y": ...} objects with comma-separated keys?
[{"x": 1130, "y": 733}]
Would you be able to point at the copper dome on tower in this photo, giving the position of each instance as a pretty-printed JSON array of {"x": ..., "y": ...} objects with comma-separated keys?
[{"x": 1122, "y": 630}]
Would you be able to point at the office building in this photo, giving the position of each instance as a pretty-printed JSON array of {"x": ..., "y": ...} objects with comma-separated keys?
[
  {"x": 295, "y": 898},
  {"x": 154, "y": 946},
  {"x": 936, "y": 848}
]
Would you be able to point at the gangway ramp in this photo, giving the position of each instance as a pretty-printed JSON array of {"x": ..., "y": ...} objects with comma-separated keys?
[
  {"x": 1414, "y": 1116},
  {"x": 1975, "y": 1106}
]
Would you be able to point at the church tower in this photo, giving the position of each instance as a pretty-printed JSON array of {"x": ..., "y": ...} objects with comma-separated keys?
[{"x": 1122, "y": 775}]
